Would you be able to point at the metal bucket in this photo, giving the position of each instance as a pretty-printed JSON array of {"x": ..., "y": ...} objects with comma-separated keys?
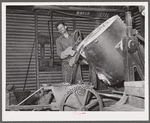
[{"x": 99, "y": 50}]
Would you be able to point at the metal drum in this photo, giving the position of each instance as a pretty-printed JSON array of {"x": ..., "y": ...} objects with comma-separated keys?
[{"x": 98, "y": 48}]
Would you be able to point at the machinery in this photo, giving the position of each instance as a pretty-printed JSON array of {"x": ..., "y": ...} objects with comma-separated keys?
[
  {"x": 115, "y": 54},
  {"x": 42, "y": 41}
]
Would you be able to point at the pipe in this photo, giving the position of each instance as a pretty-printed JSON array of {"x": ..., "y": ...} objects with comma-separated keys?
[{"x": 129, "y": 24}]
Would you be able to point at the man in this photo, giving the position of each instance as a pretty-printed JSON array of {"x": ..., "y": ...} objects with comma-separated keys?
[{"x": 64, "y": 50}]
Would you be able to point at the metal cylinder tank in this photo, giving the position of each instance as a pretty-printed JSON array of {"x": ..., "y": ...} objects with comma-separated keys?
[{"x": 100, "y": 52}]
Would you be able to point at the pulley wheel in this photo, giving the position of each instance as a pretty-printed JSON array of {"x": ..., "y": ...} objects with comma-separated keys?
[{"x": 81, "y": 99}]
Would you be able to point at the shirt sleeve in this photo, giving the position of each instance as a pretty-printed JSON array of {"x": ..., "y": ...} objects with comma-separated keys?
[
  {"x": 59, "y": 47},
  {"x": 73, "y": 40}
]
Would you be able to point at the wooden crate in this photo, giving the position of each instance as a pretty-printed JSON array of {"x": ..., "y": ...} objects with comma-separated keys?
[{"x": 136, "y": 92}]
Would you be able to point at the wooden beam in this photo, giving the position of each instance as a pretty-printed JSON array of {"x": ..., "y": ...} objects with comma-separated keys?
[
  {"x": 74, "y": 23},
  {"x": 52, "y": 39},
  {"x": 96, "y": 9},
  {"x": 142, "y": 30},
  {"x": 81, "y": 19},
  {"x": 74, "y": 15},
  {"x": 110, "y": 95},
  {"x": 79, "y": 9},
  {"x": 36, "y": 51},
  {"x": 52, "y": 106},
  {"x": 122, "y": 108}
]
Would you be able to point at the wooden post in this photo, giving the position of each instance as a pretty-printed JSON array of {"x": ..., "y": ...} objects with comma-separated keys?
[
  {"x": 50, "y": 43},
  {"x": 36, "y": 51},
  {"x": 74, "y": 23},
  {"x": 93, "y": 77},
  {"x": 52, "y": 39},
  {"x": 7, "y": 98},
  {"x": 142, "y": 26}
]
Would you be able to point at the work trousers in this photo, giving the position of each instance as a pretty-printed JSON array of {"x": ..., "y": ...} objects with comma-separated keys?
[{"x": 67, "y": 73}]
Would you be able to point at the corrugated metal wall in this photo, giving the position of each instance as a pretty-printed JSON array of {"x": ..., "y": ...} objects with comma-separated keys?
[
  {"x": 48, "y": 77},
  {"x": 137, "y": 21},
  {"x": 72, "y": 25},
  {"x": 20, "y": 36}
]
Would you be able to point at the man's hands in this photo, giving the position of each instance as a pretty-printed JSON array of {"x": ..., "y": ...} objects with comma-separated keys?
[{"x": 67, "y": 52}]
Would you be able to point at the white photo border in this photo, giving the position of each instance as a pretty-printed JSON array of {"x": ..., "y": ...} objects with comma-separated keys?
[{"x": 74, "y": 116}]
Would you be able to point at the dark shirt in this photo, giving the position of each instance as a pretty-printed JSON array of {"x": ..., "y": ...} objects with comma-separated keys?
[{"x": 63, "y": 43}]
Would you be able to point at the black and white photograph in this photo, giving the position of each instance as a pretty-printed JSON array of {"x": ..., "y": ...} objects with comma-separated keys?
[{"x": 64, "y": 61}]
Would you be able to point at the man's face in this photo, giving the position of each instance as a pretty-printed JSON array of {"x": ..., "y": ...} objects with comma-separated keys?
[{"x": 61, "y": 28}]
